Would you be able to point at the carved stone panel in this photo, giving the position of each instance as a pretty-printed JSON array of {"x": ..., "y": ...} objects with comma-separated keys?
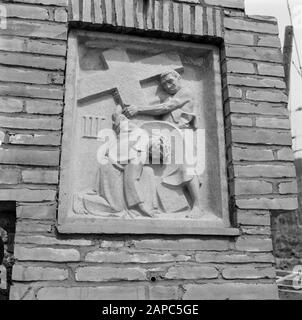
[{"x": 143, "y": 145}]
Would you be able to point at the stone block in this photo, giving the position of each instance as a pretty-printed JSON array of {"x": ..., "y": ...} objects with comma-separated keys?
[
  {"x": 265, "y": 95},
  {"x": 273, "y": 123},
  {"x": 40, "y": 176},
  {"x": 163, "y": 293},
  {"x": 241, "y": 38},
  {"x": 238, "y": 4},
  {"x": 182, "y": 245},
  {"x": 230, "y": 291},
  {"x": 191, "y": 272},
  {"x": 254, "y": 108},
  {"x": 50, "y": 139},
  {"x": 252, "y": 187},
  {"x": 266, "y": 203},
  {"x": 36, "y": 212},
  {"x": 26, "y": 12},
  {"x": 92, "y": 293},
  {"x": 30, "y": 273},
  {"x": 46, "y": 254},
  {"x": 254, "y": 218},
  {"x": 109, "y": 274},
  {"x": 251, "y": 154},
  {"x": 32, "y": 61},
  {"x": 248, "y": 273},
  {"x": 253, "y": 26},
  {"x": 44, "y": 240},
  {"x": 30, "y": 157},
  {"x": 252, "y": 244},
  {"x": 10, "y": 105},
  {"x": 243, "y": 258},
  {"x": 127, "y": 257},
  {"x": 269, "y": 41},
  {"x": 285, "y": 154},
  {"x": 288, "y": 187},
  {"x": 9, "y": 176},
  {"x": 261, "y": 137},
  {"x": 255, "y": 82},
  {"x": 27, "y": 195},
  {"x": 32, "y": 227},
  {"x": 262, "y": 170},
  {"x": 37, "y": 106},
  {"x": 276, "y": 70}
]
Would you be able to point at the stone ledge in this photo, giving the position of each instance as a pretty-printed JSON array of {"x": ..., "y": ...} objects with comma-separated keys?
[{"x": 144, "y": 226}]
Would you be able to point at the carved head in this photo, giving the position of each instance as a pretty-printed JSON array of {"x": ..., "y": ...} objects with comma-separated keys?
[{"x": 170, "y": 81}]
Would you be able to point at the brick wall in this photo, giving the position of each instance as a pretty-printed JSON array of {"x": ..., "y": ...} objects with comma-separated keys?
[{"x": 259, "y": 157}]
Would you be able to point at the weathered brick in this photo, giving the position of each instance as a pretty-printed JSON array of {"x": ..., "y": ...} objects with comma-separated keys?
[
  {"x": 10, "y": 74},
  {"x": 126, "y": 257},
  {"x": 30, "y": 157},
  {"x": 261, "y": 170},
  {"x": 50, "y": 139},
  {"x": 9, "y": 176},
  {"x": 232, "y": 92},
  {"x": 238, "y": 66},
  {"x": 32, "y": 227},
  {"x": 242, "y": 38},
  {"x": 288, "y": 187},
  {"x": 30, "y": 273},
  {"x": 273, "y": 123},
  {"x": 163, "y": 293},
  {"x": 261, "y": 136},
  {"x": 251, "y": 154},
  {"x": 26, "y": 12},
  {"x": 254, "y": 218},
  {"x": 183, "y": 244},
  {"x": 234, "y": 258},
  {"x": 112, "y": 244},
  {"x": 36, "y": 211},
  {"x": 37, "y": 106},
  {"x": 269, "y": 41},
  {"x": 241, "y": 121},
  {"x": 20, "y": 291},
  {"x": 27, "y": 195},
  {"x": 92, "y": 293},
  {"x": 256, "y": 82},
  {"x": 230, "y": 291},
  {"x": 61, "y": 15},
  {"x": 109, "y": 274},
  {"x": 62, "y": 3},
  {"x": 30, "y": 60},
  {"x": 10, "y": 105},
  {"x": 285, "y": 154},
  {"x": 246, "y": 25},
  {"x": 46, "y": 254},
  {"x": 271, "y": 69},
  {"x": 43, "y": 240},
  {"x": 238, "y": 4},
  {"x": 265, "y": 95},
  {"x": 47, "y": 123},
  {"x": 39, "y": 29},
  {"x": 40, "y": 176},
  {"x": 49, "y": 47},
  {"x": 256, "y": 230},
  {"x": 252, "y": 187},
  {"x": 248, "y": 273},
  {"x": 271, "y": 204},
  {"x": 252, "y": 244},
  {"x": 31, "y": 91},
  {"x": 191, "y": 272},
  {"x": 251, "y": 108},
  {"x": 254, "y": 53}
]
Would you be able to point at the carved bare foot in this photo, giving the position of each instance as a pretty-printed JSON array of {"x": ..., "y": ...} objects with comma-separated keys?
[
  {"x": 196, "y": 213},
  {"x": 144, "y": 211}
]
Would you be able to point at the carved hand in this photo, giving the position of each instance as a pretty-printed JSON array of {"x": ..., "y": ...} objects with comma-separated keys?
[{"x": 130, "y": 111}]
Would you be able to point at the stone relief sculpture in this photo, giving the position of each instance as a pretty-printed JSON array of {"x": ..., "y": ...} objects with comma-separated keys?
[{"x": 133, "y": 179}]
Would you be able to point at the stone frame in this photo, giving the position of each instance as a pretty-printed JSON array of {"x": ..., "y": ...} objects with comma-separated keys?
[{"x": 67, "y": 224}]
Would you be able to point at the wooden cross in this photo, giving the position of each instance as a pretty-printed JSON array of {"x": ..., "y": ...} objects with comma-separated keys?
[{"x": 125, "y": 76}]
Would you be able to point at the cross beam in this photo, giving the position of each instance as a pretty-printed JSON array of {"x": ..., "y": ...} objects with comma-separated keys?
[{"x": 125, "y": 76}]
